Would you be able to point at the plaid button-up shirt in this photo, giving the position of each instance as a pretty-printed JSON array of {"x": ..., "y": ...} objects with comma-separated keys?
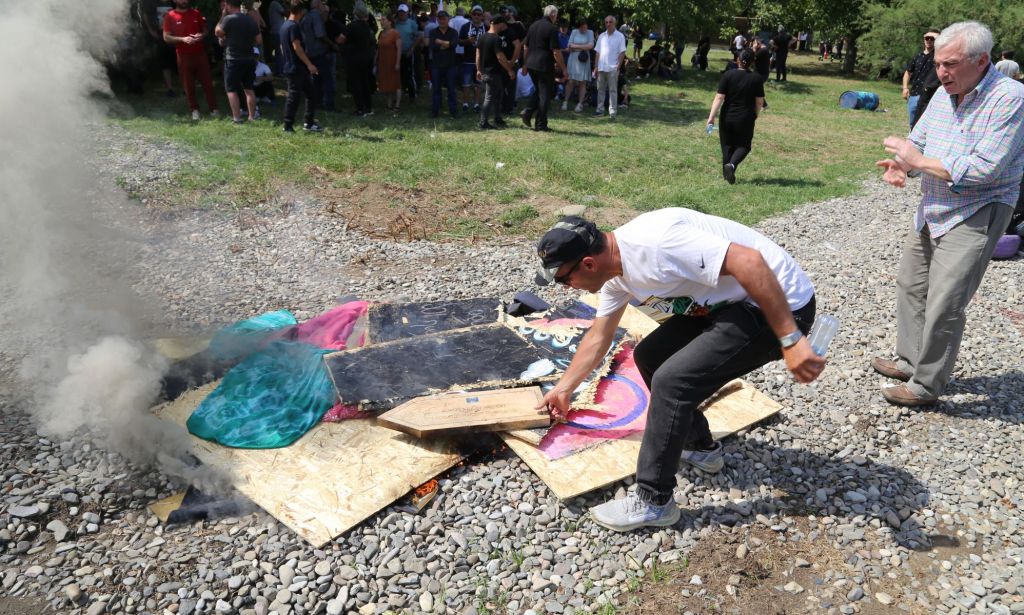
[{"x": 980, "y": 144}]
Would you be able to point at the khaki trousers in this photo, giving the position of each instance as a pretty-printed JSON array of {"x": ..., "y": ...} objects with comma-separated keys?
[{"x": 937, "y": 278}]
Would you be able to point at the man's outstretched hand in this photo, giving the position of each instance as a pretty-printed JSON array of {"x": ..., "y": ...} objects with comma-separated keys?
[
  {"x": 556, "y": 402},
  {"x": 894, "y": 174},
  {"x": 802, "y": 361}
]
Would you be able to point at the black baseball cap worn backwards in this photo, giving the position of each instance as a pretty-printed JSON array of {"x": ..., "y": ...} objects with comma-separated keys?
[{"x": 566, "y": 242}]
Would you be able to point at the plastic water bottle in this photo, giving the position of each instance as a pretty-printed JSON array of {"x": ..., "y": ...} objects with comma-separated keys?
[
  {"x": 824, "y": 329},
  {"x": 711, "y": 127}
]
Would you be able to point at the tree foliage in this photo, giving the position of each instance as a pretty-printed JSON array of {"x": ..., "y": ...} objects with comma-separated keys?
[{"x": 894, "y": 32}]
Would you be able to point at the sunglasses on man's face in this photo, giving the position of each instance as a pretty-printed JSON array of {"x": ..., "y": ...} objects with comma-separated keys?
[
  {"x": 929, "y": 38},
  {"x": 564, "y": 279}
]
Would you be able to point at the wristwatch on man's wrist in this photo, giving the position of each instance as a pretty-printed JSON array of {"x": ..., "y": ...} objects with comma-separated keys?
[{"x": 787, "y": 341}]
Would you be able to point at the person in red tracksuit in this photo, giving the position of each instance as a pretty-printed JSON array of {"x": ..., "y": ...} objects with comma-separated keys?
[{"x": 185, "y": 28}]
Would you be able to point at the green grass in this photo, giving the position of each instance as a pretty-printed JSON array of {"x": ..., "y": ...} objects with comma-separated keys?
[{"x": 657, "y": 154}]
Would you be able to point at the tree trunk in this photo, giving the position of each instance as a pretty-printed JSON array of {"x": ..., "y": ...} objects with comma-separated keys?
[{"x": 850, "y": 55}]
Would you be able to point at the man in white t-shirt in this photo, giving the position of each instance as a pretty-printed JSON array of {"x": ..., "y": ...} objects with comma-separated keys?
[
  {"x": 611, "y": 50},
  {"x": 732, "y": 300},
  {"x": 739, "y": 43}
]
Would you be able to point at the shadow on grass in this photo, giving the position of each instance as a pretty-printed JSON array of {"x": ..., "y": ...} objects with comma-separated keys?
[{"x": 786, "y": 182}]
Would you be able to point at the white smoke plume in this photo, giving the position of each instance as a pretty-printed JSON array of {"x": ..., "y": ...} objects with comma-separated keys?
[{"x": 66, "y": 241}]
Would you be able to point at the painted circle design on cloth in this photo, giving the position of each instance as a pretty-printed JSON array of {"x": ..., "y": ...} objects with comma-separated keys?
[{"x": 638, "y": 407}]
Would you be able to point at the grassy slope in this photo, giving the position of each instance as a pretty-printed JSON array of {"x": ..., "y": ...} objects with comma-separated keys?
[{"x": 657, "y": 154}]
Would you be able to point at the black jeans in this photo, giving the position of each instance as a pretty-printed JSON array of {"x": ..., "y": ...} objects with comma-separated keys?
[
  {"x": 360, "y": 82},
  {"x": 493, "y": 85},
  {"x": 543, "y": 83},
  {"x": 300, "y": 86},
  {"x": 508, "y": 94},
  {"x": 408, "y": 73},
  {"x": 780, "y": 66},
  {"x": 683, "y": 362}
]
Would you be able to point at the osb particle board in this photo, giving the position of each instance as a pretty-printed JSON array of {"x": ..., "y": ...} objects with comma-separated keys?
[
  {"x": 331, "y": 479},
  {"x": 163, "y": 508},
  {"x": 477, "y": 411},
  {"x": 614, "y": 460}
]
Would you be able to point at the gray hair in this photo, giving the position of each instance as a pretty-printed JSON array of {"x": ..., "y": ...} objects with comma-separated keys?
[
  {"x": 550, "y": 11},
  {"x": 976, "y": 38},
  {"x": 359, "y": 11},
  {"x": 612, "y": 17}
]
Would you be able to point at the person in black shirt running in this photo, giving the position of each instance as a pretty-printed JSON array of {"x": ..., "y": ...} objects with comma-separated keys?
[{"x": 740, "y": 98}]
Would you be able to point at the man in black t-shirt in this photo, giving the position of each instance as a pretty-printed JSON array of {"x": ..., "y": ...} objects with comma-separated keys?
[
  {"x": 920, "y": 81},
  {"x": 299, "y": 69},
  {"x": 492, "y": 66},
  {"x": 782, "y": 41},
  {"x": 238, "y": 34},
  {"x": 762, "y": 61},
  {"x": 540, "y": 56},
  {"x": 512, "y": 38}
]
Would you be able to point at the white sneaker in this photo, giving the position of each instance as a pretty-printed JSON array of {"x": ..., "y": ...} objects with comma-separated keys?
[
  {"x": 215, "y": 114},
  {"x": 565, "y": 106},
  {"x": 633, "y": 512},
  {"x": 579, "y": 108},
  {"x": 195, "y": 116}
]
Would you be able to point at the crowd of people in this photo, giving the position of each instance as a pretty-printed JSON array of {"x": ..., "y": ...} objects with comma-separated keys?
[{"x": 474, "y": 63}]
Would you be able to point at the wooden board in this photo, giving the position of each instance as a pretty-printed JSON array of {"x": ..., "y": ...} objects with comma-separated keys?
[
  {"x": 178, "y": 348},
  {"x": 331, "y": 479},
  {"x": 614, "y": 460},
  {"x": 381, "y": 376},
  {"x": 478, "y": 411}
]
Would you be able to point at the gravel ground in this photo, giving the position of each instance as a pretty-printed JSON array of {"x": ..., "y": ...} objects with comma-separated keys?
[{"x": 922, "y": 506}]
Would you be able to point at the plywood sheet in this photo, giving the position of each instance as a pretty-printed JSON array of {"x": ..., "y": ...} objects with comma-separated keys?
[
  {"x": 331, "y": 479},
  {"x": 606, "y": 463},
  {"x": 163, "y": 508},
  {"x": 478, "y": 411}
]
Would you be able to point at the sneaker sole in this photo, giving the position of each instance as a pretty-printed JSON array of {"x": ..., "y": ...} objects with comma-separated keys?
[{"x": 670, "y": 520}]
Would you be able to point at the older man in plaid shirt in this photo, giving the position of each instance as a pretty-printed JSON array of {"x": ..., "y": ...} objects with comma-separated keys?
[{"x": 969, "y": 148}]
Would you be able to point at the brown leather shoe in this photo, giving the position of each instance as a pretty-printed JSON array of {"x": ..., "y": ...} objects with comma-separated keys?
[
  {"x": 889, "y": 369},
  {"x": 903, "y": 396}
]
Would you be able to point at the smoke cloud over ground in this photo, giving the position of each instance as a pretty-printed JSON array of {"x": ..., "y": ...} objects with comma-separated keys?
[{"x": 66, "y": 239}]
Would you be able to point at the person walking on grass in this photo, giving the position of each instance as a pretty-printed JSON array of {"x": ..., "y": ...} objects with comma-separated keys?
[
  {"x": 299, "y": 69},
  {"x": 492, "y": 66},
  {"x": 762, "y": 62},
  {"x": 611, "y": 52},
  {"x": 733, "y": 302},
  {"x": 239, "y": 34},
  {"x": 740, "y": 99},
  {"x": 581, "y": 41},
  {"x": 185, "y": 28},
  {"x": 968, "y": 148}
]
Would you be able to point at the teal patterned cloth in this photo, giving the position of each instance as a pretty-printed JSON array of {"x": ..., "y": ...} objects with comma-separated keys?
[
  {"x": 269, "y": 400},
  {"x": 241, "y": 339}
]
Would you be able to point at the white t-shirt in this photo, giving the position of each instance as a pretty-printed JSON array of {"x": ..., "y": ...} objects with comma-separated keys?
[
  {"x": 456, "y": 23},
  {"x": 262, "y": 70},
  {"x": 609, "y": 47},
  {"x": 672, "y": 260}
]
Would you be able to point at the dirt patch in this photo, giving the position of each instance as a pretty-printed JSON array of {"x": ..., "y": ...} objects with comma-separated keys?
[
  {"x": 755, "y": 584},
  {"x": 23, "y": 606},
  {"x": 400, "y": 213}
]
